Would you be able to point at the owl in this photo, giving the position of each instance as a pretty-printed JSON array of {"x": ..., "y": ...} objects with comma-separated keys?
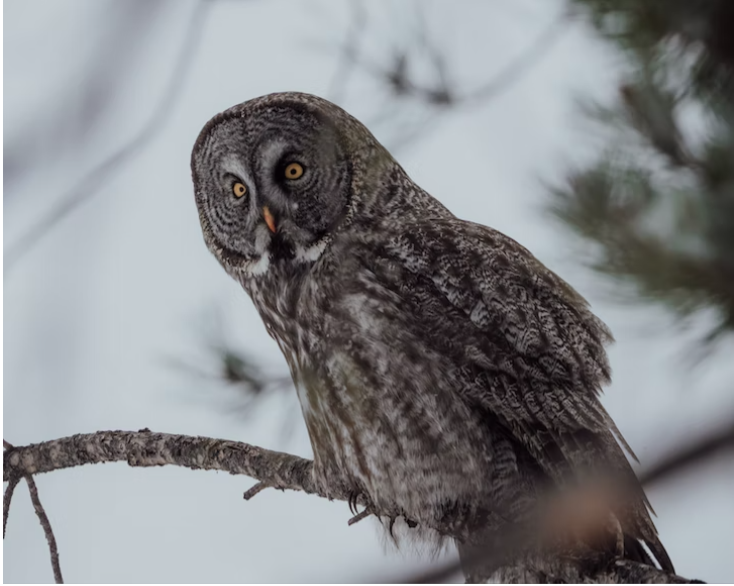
[{"x": 445, "y": 375}]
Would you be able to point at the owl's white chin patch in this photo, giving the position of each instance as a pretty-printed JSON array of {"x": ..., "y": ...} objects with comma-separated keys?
[
  {"x": 257, "y": 267},
  {"x": 313, "y": 252}
]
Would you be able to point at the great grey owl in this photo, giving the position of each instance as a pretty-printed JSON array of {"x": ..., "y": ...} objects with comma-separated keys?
[{"x": 444, "y": 373}]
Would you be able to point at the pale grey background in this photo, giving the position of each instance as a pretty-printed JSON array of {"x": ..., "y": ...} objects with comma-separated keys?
[{"x": 96, "y": 310}]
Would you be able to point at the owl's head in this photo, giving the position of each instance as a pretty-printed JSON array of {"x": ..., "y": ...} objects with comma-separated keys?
[{"x": 275, "y": 177}]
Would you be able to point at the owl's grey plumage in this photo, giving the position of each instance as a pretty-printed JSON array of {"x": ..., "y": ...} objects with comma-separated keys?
[{"x": 443, "y": 372}]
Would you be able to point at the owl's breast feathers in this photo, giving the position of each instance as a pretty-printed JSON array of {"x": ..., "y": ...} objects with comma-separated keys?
[{"x": 443, "y": 363}]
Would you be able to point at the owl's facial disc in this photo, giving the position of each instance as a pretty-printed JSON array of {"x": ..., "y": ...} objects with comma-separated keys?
[{"x": 271, "y": 183}]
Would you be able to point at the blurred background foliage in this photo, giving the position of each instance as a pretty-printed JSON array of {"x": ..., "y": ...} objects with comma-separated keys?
[{"x": 657, "y": 206}]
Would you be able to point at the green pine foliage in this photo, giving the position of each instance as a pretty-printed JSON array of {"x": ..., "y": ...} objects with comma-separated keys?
[{"x": 658, "y": 203}]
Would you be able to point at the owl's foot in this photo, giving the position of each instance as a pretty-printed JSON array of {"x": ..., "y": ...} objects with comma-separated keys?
[{"x": 355, "y": 498}]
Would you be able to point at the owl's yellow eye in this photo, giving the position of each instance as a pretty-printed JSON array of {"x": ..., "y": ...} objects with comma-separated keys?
[
  {"x": 239, "y": 189},
  {"x": 293, "y": 171}
]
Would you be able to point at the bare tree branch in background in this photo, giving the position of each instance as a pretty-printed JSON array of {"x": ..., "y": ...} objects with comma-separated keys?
[
  {"x": 440, "y": 94},
  {"x": 349, "y": 52},
  {"x": 691, "y": 455},
  {"x": 220, "y": 362},
  {"x": 76, "y": 110},
  {"x": 89, "y": 184},
  {"x": 273, "y": 469}
]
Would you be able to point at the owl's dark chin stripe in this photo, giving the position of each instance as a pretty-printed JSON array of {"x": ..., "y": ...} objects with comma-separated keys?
[
  {"x": 280, "y": 248},
  {"x": 230, "y": 257}
]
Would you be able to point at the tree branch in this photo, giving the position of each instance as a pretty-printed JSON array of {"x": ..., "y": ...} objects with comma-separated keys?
[
  {"x": 46, "y": 524},
  {"x": 694, "y": 454},
  {"x": 285, "y": 471},
  {"x": 145, "y": 448}
]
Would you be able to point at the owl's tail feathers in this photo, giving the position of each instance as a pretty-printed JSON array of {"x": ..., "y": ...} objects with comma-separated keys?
[
  {"x": 658, "y": 550},
  {"x": 592, "y": 516},
  {"x": 635, "y": 551},
  {"x": 638, "y": 529},
  {"x": 630, "y": 546},
  {"x": 635, "y": 509},
  {"x": 646, "y": 532}
]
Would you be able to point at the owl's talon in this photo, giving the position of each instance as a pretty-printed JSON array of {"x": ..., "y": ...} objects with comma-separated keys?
[
  {"x": 352, "y": 501},
  {"x": 390, "y": 527}
]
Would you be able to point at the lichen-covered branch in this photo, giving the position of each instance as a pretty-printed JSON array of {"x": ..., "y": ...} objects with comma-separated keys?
[
  {"x": 285, "y": 471},
  {"x": 145, "y": 448}
]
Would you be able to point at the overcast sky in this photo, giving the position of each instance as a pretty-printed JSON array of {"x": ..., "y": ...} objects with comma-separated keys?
[{"x": 98, "y": 310}]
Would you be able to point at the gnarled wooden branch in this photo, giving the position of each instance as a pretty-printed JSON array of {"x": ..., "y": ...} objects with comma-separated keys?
[
  {"x": 278, "y": 470},
  {"x": 145, "y": 448}
]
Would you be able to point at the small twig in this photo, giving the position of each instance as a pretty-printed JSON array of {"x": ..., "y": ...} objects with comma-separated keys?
[
  {"x": 349, "y": 52},
  {"x": 519, "y": 66},
  {"x": 46, "y": 524},
  {"x": 255, "y": 490},
  {"x": 440, "y": 95},
  {"x": 513, "y": 71},
  {"x": 7, "y": 497},
  {"x": 359, "y": 516}
]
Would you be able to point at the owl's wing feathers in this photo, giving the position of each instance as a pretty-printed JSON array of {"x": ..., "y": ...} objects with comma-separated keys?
[{"x": 535, "y": 335}]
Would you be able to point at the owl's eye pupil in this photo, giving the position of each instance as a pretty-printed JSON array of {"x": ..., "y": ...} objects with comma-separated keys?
[
  {"x": 239, "y": 189},
  {"x": 293, "y": 171}
]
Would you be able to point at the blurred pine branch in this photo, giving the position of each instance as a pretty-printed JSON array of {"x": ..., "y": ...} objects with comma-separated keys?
[{"x": 658, "y": 203}]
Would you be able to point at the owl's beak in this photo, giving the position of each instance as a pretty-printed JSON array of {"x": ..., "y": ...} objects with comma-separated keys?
[{"x": 269, "y": 220}]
